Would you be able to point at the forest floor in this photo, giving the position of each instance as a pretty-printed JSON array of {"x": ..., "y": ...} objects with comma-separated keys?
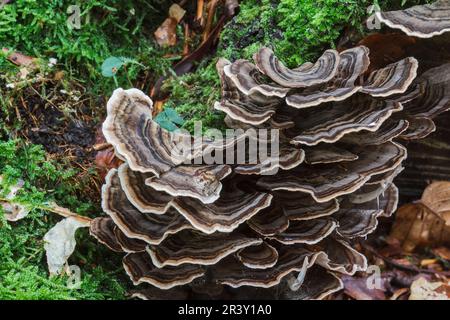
[{"x": 55, "y": 79}]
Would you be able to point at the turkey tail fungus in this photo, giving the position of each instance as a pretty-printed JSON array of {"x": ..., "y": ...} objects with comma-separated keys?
[{"x": 257, "y": 229}]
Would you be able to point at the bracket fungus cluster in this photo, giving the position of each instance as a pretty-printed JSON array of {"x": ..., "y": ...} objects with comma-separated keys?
[{"x": 190, "y": 228}]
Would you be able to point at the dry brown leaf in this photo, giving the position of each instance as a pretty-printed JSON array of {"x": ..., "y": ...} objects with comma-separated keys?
[
  {"x": 442, "y": 252},
  {"x": 398, "y": 293},
  {"x": 105, "y": 160},
  {"x": 428, "y": 262},
  {"x": 166, "y": 35},
  {"x": 421, "y": 289},
  {"x": 20, "y": 59},
  {"x": 176, "y": 12},
  {"x": 437, "y": 197},
  {"x": 358, "y": 288},
  {"x": 426, "y": 223}
]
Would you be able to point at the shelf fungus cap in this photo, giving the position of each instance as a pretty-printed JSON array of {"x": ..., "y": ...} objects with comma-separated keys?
[
  {"x": 423, "y": 21},
  {"x": 262, "y": 256},
  {"x": 234, "y": 273},
  {"x": 392, "y": 79},
  {"x": 304, "y": 76},
  {"x": 143, "y": 197},
  {"x": 151, "y": 228},
  {"x": 325, "y": 183},
  {"x": 201, "y": 182},
  {"x": 234, "y": 207},
  {"x": 246, "y": 102},
  {"x": 138, "y": 139},
  {"x": 192, "y": 247},
  {"x": 352, "y": 64},
  {"x": 248, "y": 80},
  {"x": 140, "y": 269}
]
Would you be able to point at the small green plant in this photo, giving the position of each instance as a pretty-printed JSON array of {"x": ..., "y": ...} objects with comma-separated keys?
[
  {"x": 169, "y": 119},
  {"x": 112, "y": 65}
]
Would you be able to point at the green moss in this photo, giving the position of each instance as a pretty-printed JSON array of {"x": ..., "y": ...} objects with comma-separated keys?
[
  {"x": 255, "y": 26},
  {"x": 23, "y": 273},
  {"x": 108, "y": 28},
  {"x": 193, "y": 96}
]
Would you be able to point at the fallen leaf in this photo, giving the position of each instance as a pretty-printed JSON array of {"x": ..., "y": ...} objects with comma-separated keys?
[
  {"x": 442, "y": 252},
  {"x": 176, "y": 12},
  {"x": 60, "y": 243},
  {"x": 58, "y": 75},
  {"x": 437, "y": 197},
  {"x": 427, "y": 262},
  {"x": 358, "y": 288},
  {"x": 422, "y": 289},
  {"x": 14, "y": 211},
  {"x": 427, "y": 222},
  {"x": 399, "y": 293},
  {"x": 20, "y": 59},
  {"x": 105, "y": 160},
  {"x": 166, "y": 34},
  {"x": 23, "y": 73}
]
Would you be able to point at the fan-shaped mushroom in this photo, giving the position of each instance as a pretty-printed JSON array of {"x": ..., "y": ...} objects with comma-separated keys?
[
  {"x": 279, "y": 226},
  {"x": 423, "y": 21}
]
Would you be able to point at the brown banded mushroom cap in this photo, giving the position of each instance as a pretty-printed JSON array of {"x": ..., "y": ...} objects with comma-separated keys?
[
  {"x": 418, "y": 128},
  {"x": 317, "y": 284},
  {"x": 393, "y": 79},
  {"x": 287, "y": 158},
  {"x": 301, "y": 206},
  {"x": 330, "y": 123},
  {"x": 234, "y": 207},
  {"x": 423, "y": 21},
  {"x": 357, "y": 220},
  {"x": 262, "y": 256},
  {"x": 192, "y": 247},
  {"x": 151, "y": 228},
  {"x": 244, "y": 105},
  {"x": 103, "y": 230},
  {"x": 140, "y": 268},
  {"x": 337, "y": 255},
  {"x": 208, "y": 229},
  {"x": 143, "y": 197},
  {"x": 233, "y": 273},
  {"x": 325, "y": 153},
  {"x": 352, "y": 64},
  {"x": 269, "y": 221},
  {"x": 388, "y": 131},
  {"x": 327, "y": 183},
  {"x": 307, "y": 231},
  {"x": 432, "y": 93},
  {"x": 129, "y": 244},
  {"x": 199, "y": 182},
  {"x": 137, "y": 138},
  {"x": 304, "y": 76}
]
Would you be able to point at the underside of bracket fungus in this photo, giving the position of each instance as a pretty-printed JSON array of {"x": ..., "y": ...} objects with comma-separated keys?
[{"x": 268, "y": 229}]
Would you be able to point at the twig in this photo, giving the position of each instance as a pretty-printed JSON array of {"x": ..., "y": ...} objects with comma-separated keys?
[
  {"x": 199, "y": 15},
  {"x": 401, "y": 266},
  {"x": 211, "y": 12}
]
